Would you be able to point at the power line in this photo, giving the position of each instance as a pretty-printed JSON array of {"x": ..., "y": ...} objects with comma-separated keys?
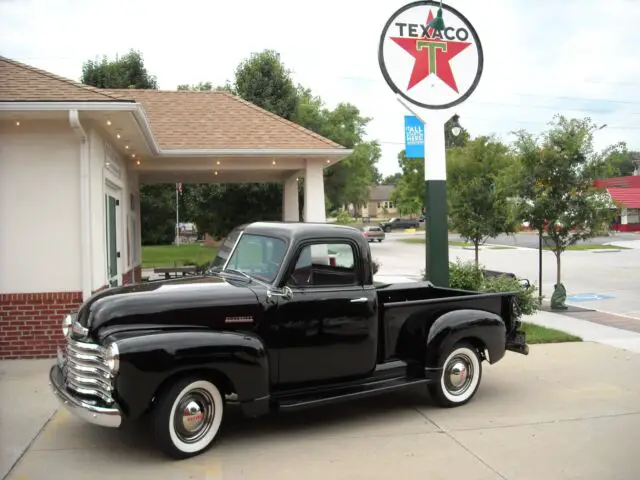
[{"x": 381, "y": 82}]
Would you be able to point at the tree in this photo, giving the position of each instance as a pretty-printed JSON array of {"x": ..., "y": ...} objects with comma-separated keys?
[
  {"x": 218, "y": 208},
  {"x": 557, "y": 196},
  {"x": 623, "y": 162},
  {"x": 199, "y": 87},
  {"x": 408, "y": 196},
  {"x": 263, "y": 80},
  {"x": 478, "y": 191},
  {"x": 127, "y": 71},
  {"x": 391, "y": 179}
]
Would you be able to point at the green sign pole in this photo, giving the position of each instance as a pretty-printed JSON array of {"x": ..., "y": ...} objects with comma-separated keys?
[{"x": 435, "y": 197}]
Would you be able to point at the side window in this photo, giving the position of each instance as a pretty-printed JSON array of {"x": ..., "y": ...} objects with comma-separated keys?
[{"x": 325, "y": 265}]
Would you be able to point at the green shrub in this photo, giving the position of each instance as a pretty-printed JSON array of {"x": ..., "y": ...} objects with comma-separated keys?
[
  {"x": 343, "y": 218},
  {"x": 468, "y": 276}
]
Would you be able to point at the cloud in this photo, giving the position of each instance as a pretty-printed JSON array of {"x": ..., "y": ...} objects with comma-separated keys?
[{"x": 575, "y": 57}]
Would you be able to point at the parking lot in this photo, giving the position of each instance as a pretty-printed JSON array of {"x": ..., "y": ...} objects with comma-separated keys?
[{"x": 566, "y": 411}]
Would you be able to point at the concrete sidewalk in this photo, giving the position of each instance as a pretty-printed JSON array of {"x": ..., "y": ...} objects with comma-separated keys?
[
  {"x": 565, "y": 411},
  {"x": 588, "y": 331}
]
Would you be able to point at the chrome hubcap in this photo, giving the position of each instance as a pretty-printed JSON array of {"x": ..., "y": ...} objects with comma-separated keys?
[
  {"x": 194, "y": 415},
  {"x": 458, "y": 374}
]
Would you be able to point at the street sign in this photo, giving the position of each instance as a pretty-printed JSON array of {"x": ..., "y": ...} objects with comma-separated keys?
[
  {"x": 413, "y": 137},
  {"x": 431, "y": 69},
  {"x": 588, "y": 297}
]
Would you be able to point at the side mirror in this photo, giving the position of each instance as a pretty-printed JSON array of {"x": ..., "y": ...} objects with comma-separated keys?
[{"x": 285, "y": 292}]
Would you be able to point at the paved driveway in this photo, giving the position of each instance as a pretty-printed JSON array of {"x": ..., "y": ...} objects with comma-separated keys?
[
  {"x": 564, "y": 412},
  {"x": 611, "y": 276}
]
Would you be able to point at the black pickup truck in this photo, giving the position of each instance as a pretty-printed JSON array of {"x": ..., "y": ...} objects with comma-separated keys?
[{"x": 288, "y": 316}]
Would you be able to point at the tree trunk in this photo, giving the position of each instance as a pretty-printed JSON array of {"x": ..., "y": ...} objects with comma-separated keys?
[
  {"x": 475, "y": 246},
  {"x": 558, "y": 269}
]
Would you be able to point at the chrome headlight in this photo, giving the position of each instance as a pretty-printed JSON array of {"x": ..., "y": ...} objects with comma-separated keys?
[
  {"x": 112, "y": 357},
  {"x": 67, "y": 321}
]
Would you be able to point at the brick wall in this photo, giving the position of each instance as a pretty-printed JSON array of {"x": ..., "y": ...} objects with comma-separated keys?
[{"x": 30, "y": 323}]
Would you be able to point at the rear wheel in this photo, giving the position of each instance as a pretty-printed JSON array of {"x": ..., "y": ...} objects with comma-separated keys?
[
  {"x": 188, "y": 417},
  {"x": 460, "y": 376}
]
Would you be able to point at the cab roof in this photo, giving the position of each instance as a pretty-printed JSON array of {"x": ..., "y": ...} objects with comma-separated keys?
[{"x": 301, "y": 230}]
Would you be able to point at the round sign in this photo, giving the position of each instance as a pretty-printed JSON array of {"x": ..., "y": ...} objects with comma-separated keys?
[{"x": 431, "y": 69}]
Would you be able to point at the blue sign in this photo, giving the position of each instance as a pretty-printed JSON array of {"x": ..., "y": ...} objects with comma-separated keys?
[
  {"x": 588, "y": 297},
  {"x": 413, "y": 137}
]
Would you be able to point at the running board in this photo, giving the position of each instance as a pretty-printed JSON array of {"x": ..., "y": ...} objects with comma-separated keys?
[{"x": 369, "y": 389}]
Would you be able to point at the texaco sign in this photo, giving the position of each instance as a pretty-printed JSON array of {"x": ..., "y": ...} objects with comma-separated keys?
[{"x": 431, "y": 69}]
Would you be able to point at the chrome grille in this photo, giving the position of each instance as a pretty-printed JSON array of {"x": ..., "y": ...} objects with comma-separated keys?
[{"x": 85, "y": 371}]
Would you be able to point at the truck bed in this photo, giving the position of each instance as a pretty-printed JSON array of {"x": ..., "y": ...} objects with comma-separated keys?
[{"x": 400, "y": 303}]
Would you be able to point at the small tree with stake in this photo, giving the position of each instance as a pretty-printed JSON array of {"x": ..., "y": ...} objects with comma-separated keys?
[
  {"x": 479, "y": 192},
  {"x": 555, "y": 174}
]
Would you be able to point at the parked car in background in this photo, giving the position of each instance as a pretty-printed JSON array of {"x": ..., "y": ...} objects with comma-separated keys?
[
  {"x": 397, "y": 223},
  {"x": 371, "y": 233}
]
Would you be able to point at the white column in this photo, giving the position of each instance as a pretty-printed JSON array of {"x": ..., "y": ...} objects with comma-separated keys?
[
  {"x": 314, "y": 192},
  {"x": 290, "y": 207}
]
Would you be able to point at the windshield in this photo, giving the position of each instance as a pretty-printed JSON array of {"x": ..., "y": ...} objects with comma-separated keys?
[{"x": 259, "y": 256}]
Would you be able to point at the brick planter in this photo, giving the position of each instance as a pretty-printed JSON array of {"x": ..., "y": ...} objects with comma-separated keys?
[{"x": 30, "y": 323}]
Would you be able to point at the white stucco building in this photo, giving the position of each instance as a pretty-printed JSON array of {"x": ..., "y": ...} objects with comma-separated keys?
[{"x": 72, "y": 158}]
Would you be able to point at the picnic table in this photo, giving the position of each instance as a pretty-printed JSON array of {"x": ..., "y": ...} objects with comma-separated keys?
[{"x": 176, "y": 271}]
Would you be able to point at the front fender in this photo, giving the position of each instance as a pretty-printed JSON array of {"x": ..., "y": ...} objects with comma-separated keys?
[
  {"x": 451, "y": 327},
  {"x": 149, "y": 358}
]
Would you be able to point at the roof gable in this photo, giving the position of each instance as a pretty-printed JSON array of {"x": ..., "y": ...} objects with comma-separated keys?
[
  {"x": 212, "y": 120},
  {"x": 381, "y": 192},
  {"x": 23, "y": 83}
]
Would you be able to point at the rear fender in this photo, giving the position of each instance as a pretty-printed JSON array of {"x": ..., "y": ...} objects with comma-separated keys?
[
  {"x": 149, "y": 360},
  {"x": 483, "y": 329}
]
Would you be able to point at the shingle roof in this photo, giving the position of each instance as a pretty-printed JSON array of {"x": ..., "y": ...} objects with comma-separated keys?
[
  {"x": 629, "y": 197},
  {"x": 22, "y": 83},
  {"x": 178, "y": 119},
  {"x": 211, "y": 120},
  {"x": 381, "y": 192}
]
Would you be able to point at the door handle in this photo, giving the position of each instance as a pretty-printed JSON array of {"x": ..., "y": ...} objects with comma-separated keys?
[{"x": 359, "y": 300}]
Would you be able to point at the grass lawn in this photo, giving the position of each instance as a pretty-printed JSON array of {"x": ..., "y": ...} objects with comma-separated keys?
[
  {"x": 176, "y": 255},
  {"x": 538, "y": 334},
  {"x": 452, "y": 243}
]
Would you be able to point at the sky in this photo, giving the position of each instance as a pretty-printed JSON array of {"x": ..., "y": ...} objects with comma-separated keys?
[{"x": 574, "y": 57}]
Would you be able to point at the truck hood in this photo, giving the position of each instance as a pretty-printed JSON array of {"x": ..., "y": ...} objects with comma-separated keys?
[{"x": 197, "y": 301}]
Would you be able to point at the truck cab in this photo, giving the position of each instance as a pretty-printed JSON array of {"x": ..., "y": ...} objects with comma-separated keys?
[{"x": 287, "y": 316}]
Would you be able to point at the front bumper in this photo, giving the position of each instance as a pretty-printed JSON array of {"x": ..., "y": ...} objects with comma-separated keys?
[{"x": 105, "y": 417}]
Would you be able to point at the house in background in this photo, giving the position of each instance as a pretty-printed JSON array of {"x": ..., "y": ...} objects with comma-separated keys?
[
  {"x": 379, "y": 204},
  {"x": 72, "y": 158},
  {"x": 626, "y": 192}
]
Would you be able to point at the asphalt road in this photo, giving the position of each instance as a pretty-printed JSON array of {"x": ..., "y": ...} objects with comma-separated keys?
[
  {"x": 530, "y": 240},
  {"x": 609, "y": 277}
]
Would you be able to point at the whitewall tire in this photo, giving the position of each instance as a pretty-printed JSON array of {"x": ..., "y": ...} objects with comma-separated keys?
[
  {"x": 188, "y": 417},
  {"x": 461, "y": 372}
]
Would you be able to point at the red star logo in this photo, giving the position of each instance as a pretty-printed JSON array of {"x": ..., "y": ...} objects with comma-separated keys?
[{"x": 432, "y": 55}]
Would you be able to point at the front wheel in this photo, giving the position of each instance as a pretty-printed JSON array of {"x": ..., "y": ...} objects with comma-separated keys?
[
  {"x": 460, "y": 376},
  {"x": 188, "y": 417}
]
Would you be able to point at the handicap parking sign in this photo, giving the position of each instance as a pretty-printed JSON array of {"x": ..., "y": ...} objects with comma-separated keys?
[{"x": 588, "y": 297}]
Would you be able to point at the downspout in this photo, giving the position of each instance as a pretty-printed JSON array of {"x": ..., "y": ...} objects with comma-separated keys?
[{"x": 86, "y": 253}]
